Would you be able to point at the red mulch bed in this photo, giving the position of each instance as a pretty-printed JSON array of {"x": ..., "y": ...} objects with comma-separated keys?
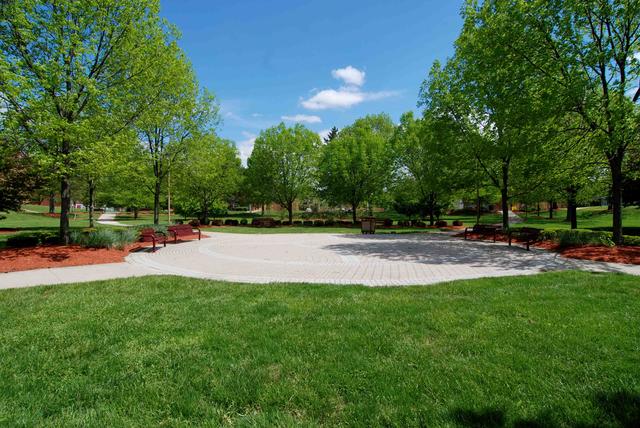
[
  {"x": 49, "y": 256},
  {"x": 620, "y": 254}
]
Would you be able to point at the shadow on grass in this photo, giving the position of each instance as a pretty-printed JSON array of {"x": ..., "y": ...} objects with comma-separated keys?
[{"x": 618, "y": 409}]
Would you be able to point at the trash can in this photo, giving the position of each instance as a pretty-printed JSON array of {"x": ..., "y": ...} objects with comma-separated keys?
[{"x": 368, "y": 225}]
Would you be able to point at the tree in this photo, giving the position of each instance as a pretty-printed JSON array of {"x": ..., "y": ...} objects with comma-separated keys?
[
  {"x": 357, "y": 165},
  {"x": 211, "y": 175},
  {"x": 586, "y": 52},
  {"x": 283, "y": 163},
  {"x": 502, "y": 118},
  {"x": 18, "y": 177},
  {"x": 68, "y": 70},
  {"x": 425, "y": 154},
  {"x": 333, "y": 133},
  {"x": 179, "y": 115}
]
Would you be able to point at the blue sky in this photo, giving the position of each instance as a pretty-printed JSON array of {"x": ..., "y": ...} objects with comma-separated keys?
[{"x": 323, "y": 62}]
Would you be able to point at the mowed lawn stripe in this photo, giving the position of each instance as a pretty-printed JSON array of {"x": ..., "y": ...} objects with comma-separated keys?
[{"x": 560, "y": 348}]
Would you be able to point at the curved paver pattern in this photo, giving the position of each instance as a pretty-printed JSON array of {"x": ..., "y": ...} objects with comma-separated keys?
[{"x": 354, "y": 259}]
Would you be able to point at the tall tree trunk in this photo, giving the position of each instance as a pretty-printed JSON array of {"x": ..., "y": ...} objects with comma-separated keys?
[
  {"x": 263, "y": 210},
  {"x": 135, "y": 213},
  {"x": 432, "y": 208},
  {"x": 550, "y": 210},
  {"x": 572, "y": 206},
  {"x": 504, "y": 192},
  {"x": 354, "y": 212},
  {"x": 65, "y": 208},
  {"x": 52, "y": 202},
  {"x": 156, "y": 202},
  {"x": 478, "y": 209},
  {"x": 538, "y": 209},
  {"x": 92, "y": 189},
  {"x": 205, "y": 214},
  {"x": 290, "y": 211},
  {"x": 615, "y": 164}
]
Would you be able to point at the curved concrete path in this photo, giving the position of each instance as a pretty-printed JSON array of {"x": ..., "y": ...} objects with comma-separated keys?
[
  {"x": 374, "y": 260},
  {"x": 109, "y": 219}
]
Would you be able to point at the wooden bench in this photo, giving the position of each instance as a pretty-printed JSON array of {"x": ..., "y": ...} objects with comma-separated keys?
[
  {"x": 528, "y": 235},
  {"x": 263, "y": 222},
  {"x": 483, "y": 229},
  {"x": 150, "y": 235},
  {"x": 180, "y": 230}
]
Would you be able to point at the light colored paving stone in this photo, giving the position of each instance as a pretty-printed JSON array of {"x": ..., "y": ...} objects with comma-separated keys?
[
  {"x": 354, "y": 259},
  {"x": 70, "y": 274},
  {"x": 373, "y": 260}
]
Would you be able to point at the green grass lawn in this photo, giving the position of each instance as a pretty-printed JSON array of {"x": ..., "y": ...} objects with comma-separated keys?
[
  {"x": 595, "y": 218},
  {"x": 559, "y": 349}
]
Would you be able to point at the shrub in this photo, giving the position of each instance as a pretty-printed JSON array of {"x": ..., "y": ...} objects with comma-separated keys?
[
  {"x": 419, "y": 223},
  {"x": 387, "y": 222},
  {"x": 307, "y": 223},
  {"x": 194, "y": 223},
  {"x": 631, "y": 240},
  {"x": 217, "y": 222},
  {"x": 458, "y": 223},
  {"x": 22, "y": 241},
  {"x": 330, "y": 223},
  {"x": 244, "y": 221},
  {"x": 230, "y": 222},
  {"x": 48, "y": 238},
  {"x": 286, "y": 223},
  {"x": 278, "y": 222},
  {"x": 105, "y": 238},
  {"x": 404, "y": 223},
  {"x": 318, "y": 222},
  {"x": 441, "y": 223},
  {"x": 578, "y": 237},
  {"x": 297, "y": 222}
]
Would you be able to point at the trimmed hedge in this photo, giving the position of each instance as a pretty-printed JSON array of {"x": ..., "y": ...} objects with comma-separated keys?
[
  {"x": 578, "y": 237},
  {"x": 441, "y": 223},
  {"x": 458, "y": 223},
  {"x": 24, "y": 240}
]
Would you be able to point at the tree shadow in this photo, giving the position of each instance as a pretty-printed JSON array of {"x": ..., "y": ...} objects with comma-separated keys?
[
  {"x": 439, "y": 249},
  {"x": 614, "y": 409}
]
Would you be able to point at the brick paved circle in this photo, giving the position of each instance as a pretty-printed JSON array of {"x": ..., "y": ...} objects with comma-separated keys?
[{"x": 353, "y": 259}]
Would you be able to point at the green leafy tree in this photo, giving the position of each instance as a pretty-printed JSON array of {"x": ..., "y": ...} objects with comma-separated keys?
[
  {"x": 283, "y": 164},
  {"x": 356, "y": 166},
  {"x": 502, "y": 119},
  {"x": 181, "y": 114},
  {"x": 211, "y": 176},
  {"x": 586, "y": 53},
  {"x": 425, "y": 152},
  {"x": 68, "y": 70}
]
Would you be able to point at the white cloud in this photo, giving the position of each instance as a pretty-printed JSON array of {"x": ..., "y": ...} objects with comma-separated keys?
[
  {"x": 343, "y": 98},
  {"x": 346, "y": 96},
  {"x": 302, "y": 118},
  {"x": 351, "y": 76},
  {"x": 245, "y": 147}
]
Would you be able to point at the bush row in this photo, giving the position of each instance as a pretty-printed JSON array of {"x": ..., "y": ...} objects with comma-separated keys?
[
  {"x": 105, "y": 238},
  {"x": 579, "y": 237},
  {"x": 387, "y": 222},
  {"x": 32, "y": 239}
]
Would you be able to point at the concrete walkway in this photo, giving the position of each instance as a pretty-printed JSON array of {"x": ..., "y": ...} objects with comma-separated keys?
[
  {"x": 109, "y": 219},
  {"x": 374, "y": 260}
]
